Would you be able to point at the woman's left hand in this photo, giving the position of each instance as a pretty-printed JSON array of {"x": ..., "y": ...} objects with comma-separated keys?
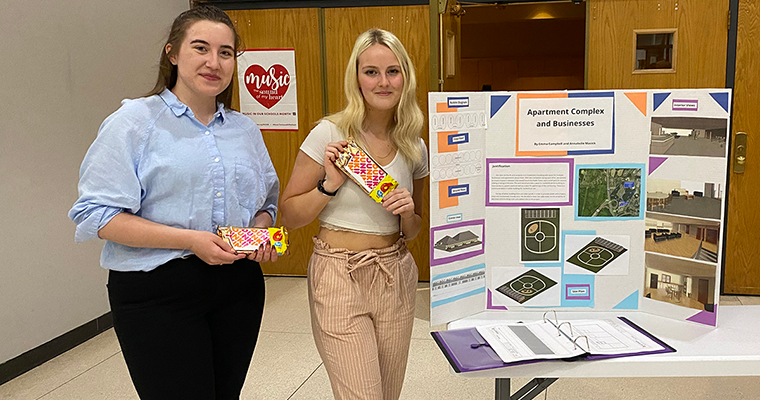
[
  {"x": 265, "y": 253},
  {"x": 399, "y": 202}
]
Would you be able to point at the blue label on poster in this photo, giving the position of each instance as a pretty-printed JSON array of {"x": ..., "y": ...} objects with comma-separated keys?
[
  {"x": 459, "y": 190},
  {"x": 578, "y": 292},
  {"x": 459, "y": 138},
  {"x": 455, "y": 102}
]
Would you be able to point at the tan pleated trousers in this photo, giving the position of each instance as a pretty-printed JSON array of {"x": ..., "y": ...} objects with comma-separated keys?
[{"x": 362, "y": 311}]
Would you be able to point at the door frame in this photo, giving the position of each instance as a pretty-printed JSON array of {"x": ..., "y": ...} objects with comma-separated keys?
[
  {"x": 265, "y": 5},
  {"x": 733, "y": 26}
]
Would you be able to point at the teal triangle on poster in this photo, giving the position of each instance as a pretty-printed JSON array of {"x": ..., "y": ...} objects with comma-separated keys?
[
  {"x": 497, "y": 102},
  {"x": 721, "y": 98},
  {"x": 658, "y": 99},
  {"x": 655, "y": 162},
  {"x": 704, "y": 317},
  {"x": 629, "y": 303}
]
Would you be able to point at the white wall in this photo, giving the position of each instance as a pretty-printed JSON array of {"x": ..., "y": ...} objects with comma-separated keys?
[{"x": 64, "y": 66}]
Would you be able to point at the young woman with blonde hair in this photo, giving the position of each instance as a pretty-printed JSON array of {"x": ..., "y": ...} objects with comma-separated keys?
[{"x": 362, "y": 279}]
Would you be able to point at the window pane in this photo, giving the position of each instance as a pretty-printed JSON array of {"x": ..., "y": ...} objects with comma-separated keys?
[{"x": 654, "y": 51}]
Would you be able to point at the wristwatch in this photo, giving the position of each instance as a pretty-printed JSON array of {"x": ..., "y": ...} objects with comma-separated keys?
[{"x": 321, "y": 188}]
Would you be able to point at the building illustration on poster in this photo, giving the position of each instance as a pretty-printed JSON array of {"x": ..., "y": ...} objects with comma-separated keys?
[
  {"x": 587, "y": 200},
  {"x": 267, "y": 87}
]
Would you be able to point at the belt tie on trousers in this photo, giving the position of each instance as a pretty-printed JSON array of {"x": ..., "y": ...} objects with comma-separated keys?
[{"x": 367, "y": 258}]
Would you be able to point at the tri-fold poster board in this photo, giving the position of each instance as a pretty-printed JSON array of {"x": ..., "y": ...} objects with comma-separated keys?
[{"x": 578, "y": 200}]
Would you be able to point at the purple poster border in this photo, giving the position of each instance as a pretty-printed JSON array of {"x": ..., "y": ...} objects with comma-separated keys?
[
  {"x": 458, "y": 257},
  {"x": 571, "y": 171}
]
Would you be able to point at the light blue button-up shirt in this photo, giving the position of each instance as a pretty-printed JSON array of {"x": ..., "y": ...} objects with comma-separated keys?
[{"x": 153, "y": 159}]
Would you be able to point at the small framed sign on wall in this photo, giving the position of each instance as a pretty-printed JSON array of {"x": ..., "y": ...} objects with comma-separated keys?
[{"x": 267, "y": 80}]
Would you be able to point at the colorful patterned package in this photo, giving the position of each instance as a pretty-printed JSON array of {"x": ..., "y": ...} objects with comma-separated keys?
[
  {"x": 248, "y": 240},
  {"x": 363, "y": 170}
]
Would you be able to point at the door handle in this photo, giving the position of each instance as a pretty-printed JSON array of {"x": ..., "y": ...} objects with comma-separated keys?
[{"x": 740, "y": 152}]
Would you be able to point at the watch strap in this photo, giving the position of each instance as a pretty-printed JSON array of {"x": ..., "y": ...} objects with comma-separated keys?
[{"x": 321, "y": 188}]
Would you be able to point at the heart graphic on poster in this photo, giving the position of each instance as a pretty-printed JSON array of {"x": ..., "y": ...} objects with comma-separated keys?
[{"x": 268, "y": 86}]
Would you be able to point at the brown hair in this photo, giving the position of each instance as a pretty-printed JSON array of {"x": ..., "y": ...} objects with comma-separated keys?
[{"x": 167, "y": 72}]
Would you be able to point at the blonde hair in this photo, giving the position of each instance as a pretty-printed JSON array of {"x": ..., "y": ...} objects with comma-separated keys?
[{"x": 408, "y": 119}]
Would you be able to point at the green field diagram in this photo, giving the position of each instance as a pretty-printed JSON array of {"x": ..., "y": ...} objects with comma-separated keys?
[
  {"x": 597, "y": 254},
  {"x": 526, "y": 286},
  {"x": 609, "y": 192}
]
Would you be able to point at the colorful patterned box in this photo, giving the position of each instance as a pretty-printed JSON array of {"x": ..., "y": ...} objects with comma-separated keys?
[
  {"x": 367, "y": 173},
  {"x": 248, "y": 240}
]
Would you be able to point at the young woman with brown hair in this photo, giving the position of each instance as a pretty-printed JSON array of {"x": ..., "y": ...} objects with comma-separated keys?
[{"x": 164, "y": 172}]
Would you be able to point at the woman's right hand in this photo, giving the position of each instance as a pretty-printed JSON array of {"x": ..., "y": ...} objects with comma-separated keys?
[
  {"x": 212, "y": 249},
  {"x": 334, "y": 178}
]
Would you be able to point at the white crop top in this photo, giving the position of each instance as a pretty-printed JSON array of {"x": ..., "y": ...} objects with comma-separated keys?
[{"x": 351, "y": 209}]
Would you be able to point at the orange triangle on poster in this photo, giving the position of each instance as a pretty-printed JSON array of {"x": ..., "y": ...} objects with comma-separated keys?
[{"x": 639, "y": 100}]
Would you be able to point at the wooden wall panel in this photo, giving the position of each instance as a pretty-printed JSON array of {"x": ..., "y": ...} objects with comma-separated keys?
[
  {"x": 298, "y": 29},
  {"x": 701, "y": 42},
  {"x": 524, "y": 39},
  {"x": 537, "y": 73},
  {"x": 411, "y": 24},
  {"x": 742, "y": 269},
  {"x": 541, "y": 47}
]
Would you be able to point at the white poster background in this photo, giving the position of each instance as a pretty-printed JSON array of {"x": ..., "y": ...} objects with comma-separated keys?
[
  {"x": 270, "y": 76},
  {"x": 448, "y": 304},
  {"x": 633, "y": 111}
]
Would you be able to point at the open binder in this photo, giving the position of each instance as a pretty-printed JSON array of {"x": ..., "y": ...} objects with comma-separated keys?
[{"x": 510, "y": 343}]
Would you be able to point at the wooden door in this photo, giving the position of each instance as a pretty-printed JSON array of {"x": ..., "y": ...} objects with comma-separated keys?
[
  {"x": 702, "y": 37},
  {"x": 297, "y": 29},
  {"x": 411, "y": 24},
  {"x": 742, "y": 266},
  {"x": 653, "y": 281}
]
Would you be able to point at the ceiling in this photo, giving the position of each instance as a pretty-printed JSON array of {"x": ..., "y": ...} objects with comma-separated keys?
[{"x": 496, "y": 14}]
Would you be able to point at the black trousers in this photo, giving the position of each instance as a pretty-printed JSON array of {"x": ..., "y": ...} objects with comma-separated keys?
[{"x": 188, "y": 329}]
